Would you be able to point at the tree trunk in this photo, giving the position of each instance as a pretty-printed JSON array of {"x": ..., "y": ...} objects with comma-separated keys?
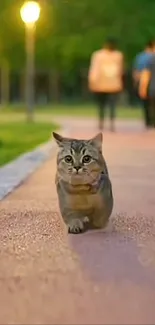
[
  {"x": 5, "y": 86},
  {"x": 22, "y": 87},
  {"x": 54, "y": 86},
  {"x": 84, "y": 84}
]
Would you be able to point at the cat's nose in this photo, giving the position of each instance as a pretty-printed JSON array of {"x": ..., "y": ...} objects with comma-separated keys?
[{"x": 77, "y": 168}]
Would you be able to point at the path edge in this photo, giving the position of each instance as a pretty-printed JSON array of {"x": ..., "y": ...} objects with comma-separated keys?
[{"x": 14, "y": 173}]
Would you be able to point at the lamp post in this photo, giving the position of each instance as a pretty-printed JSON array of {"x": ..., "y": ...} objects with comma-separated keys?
[{"x": 30, "y": 12}]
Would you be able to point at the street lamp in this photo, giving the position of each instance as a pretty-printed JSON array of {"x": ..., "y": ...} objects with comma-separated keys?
[{"x": 30, "y": 12}]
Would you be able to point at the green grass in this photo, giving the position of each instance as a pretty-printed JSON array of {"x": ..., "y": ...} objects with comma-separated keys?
[
  {"x": 88, "y": 111},
  {"x": 43, "y": 113},
  {"x": 19, "y": 137}
]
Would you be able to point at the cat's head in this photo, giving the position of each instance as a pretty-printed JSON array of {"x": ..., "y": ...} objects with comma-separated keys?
[{"x": 79, "y": 161}]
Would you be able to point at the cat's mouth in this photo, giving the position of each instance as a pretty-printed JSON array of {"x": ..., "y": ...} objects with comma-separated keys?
[
  {"x": 77, "y": 176},
  {"x": 77, "y": 179}
]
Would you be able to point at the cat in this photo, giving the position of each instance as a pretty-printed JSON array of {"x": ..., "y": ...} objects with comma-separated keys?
[{"x": 83, "y": 185}]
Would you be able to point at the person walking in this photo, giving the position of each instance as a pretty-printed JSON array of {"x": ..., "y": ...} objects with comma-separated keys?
[
  {"x": 105, "y": 79},
  {"x": 147, "y": 87},
  {"x": 140, "y": 62}
]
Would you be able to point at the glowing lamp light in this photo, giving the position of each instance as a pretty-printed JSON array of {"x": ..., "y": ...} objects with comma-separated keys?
[{"x": 30, "y": 12}]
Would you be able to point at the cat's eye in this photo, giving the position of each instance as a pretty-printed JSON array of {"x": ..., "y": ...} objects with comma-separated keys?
[
  {"x": 86, "y": 159},
  {"x": 68, "y": 159}
]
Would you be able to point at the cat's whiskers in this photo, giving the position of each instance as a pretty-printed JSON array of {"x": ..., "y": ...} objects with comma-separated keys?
[{"x": 91, "y": 177}]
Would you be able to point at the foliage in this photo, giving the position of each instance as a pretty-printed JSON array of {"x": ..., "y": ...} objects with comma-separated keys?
[{"x": 69, "y": 30}]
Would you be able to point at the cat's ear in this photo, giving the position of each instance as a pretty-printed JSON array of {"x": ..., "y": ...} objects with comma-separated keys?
[
  {"x": 58, "y": 138},
  {"x": 97, "y": 140}
]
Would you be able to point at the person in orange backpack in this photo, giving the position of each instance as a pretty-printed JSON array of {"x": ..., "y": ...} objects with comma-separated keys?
[{"x": 105, "y": 79}]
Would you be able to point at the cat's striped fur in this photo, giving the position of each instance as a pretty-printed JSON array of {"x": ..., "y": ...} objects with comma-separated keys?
[{"x": 83, "y": 184}]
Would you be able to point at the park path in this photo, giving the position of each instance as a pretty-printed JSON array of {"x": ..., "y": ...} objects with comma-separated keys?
[{"x": 100, "y": 277}]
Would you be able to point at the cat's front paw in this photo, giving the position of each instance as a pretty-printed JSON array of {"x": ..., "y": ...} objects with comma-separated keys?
[
  {"x": 86, "y": 220},
  {"x": 75, "y": 226}
]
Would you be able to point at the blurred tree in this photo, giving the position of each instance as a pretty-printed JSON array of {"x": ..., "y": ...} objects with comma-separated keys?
[{"x": 69, "y": 30}]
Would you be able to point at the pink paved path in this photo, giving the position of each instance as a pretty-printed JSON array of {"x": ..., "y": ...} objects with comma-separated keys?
[{"x": 100, "y": 277}]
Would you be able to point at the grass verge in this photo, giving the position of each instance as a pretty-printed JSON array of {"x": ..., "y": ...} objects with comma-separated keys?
[
  {"x": 19, "y": 137},
  {"x": 89, "y": 111},
  {"x": 42, "y": 113}
]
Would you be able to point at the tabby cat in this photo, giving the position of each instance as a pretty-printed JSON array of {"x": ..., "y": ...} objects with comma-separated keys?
[{"x": 83, "y": 184}]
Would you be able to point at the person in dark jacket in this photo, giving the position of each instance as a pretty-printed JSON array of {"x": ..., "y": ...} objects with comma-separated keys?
[
  {"x": 147, "y": 87},
  {"x": 140, "y": 62}
]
